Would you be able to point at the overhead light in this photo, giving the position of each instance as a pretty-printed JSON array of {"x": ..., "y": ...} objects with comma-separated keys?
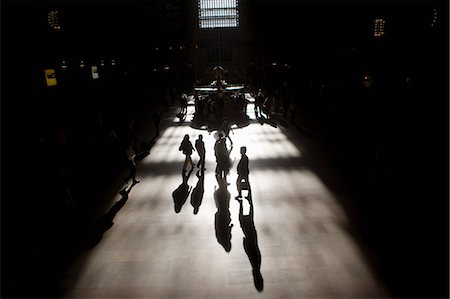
[
  {"x": 113, "y": 62},
  {"x": 170, "y": 48},
  {"x": 156, "y": 49},
  {"x": 102, "y": 63}
]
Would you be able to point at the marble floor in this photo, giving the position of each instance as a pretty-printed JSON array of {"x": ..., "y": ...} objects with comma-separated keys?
[{"x": 193, "y": 239}]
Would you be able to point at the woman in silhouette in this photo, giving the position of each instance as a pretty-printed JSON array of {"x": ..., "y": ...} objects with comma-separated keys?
[{"x": 187, "y": 148}]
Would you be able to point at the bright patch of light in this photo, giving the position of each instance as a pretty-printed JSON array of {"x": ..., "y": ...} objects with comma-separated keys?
[{"x": 218, "y": 13}]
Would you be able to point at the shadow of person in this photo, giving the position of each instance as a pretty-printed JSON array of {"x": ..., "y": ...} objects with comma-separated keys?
[
  {"x": 105, "y": 221},
  {"x": 197, "y": 193},
  {"x": 181, "y": 194},
  {"x": 223, "y": 217},
  {"x": 250, "y": 241}
]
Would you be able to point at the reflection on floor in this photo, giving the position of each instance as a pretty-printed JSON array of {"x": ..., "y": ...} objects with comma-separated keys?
[{"x": 158, "y": 249}]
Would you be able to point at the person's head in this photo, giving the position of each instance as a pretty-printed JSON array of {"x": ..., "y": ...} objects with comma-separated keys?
[
  {"x": 243, "y": 150},
  {"x": 200, "y": 137},
  {"x": 186, "y": 137}
]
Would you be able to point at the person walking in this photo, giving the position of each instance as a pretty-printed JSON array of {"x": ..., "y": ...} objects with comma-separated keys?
[
  {"x": 187, "y": 148},
  {"x": 183, "y": 104},
  {"x": 156, "y": 121},
  {"x": 225, "y": 128},
  {"x": 259, "y": 99},
  {"x": 131, "y": 154},
  {"x": 200, "y": 147},
  {"x": 243, "y": 172},
  {"x": 222, "y": 157}
]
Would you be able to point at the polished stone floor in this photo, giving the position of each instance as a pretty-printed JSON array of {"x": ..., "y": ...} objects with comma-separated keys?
[{"x": 297, "y": 230}]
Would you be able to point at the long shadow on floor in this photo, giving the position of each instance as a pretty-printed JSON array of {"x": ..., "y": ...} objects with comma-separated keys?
[
  {"x": 223, "y": 217},
  {"x": 250, "y": 240},
  {"x": 105, "y": 222},
  {"x": 197, "y": 193},
  {"x": 181, "y": 194}
]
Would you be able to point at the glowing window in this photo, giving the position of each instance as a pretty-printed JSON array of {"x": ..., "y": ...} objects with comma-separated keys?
[
  {"x": 53, "y": 20},
  {"x": 218, "y": 13},
  {"x": 379, "y": 27}
]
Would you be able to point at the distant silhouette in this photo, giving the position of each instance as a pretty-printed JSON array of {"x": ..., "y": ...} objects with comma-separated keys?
[
  {"x": 259, "y": 99},
  {"x": 225, "y": 128},
  {"x": 243, "y": 172},
  {"x": 183, "y": 103},
  {"x": 156, "y": 121},
  {"x": 250, "y": 242},
  {"x": 200, "y": 147},
  {"x": 186, "y": 148},
  {"x": 181, "y": 194},
  {"x": 223, "y": 217},
  {"x": 197, "y": 193},
  {"x": 131, "y": 155},
  {"x": 222, "y": 157}
]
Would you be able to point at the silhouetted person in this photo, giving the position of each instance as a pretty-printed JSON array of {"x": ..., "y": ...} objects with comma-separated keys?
[
  {"x": 223, "y": 217},
  {"x": 200, "y": 147},
  {"x": 182, "y": 192},
  {"x": 131, "y": 155},
  {"x": 267, "y": 105},
  {"x": 197, "y": 193},
  {"x": 183, "y": 103},
  {"x": 225, "y": 128},
  {"x": 250, "y": 242},
  {"x": 259, "y": 99},
  {"x": 222, "y": 157},
  {"x": 186, "y": 148},
  {"x": 243, "y": 171},
  {"x": 156, "y": 121}
]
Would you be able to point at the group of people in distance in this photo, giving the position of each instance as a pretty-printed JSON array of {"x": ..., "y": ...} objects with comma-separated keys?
[{"x": 223, "y": 161}]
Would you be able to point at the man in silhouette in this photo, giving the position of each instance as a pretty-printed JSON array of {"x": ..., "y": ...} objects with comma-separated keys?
[
  {"x": 225, "y": 128},
  {"x": 222, "y": 157},
  {"x": 200, "y": 147},
  {"x": 243, "y": 171},
  {"x": 131, "y": 164},
  {"x": 156, "y": 121}
]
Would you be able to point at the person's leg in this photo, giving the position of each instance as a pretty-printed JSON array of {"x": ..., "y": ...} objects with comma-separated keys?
[
  {"x": 190, "y": 162},
  {"x": 199, "y": 160},
  {"x": 185, "y": 163},
  {"x": 133, "y": 173},
  {"x": 238, "y": 185},
  {"x": 203, "y": 161}
]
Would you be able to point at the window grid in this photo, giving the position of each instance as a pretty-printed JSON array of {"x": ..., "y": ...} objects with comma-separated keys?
[
  {"x": 379, "y": 27},
  {"x": 218, "y": 13}
]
